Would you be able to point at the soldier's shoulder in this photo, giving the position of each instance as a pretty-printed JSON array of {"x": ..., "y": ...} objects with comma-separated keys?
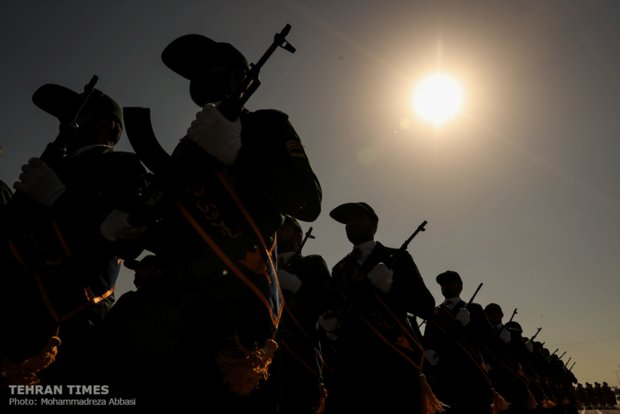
[
  {"x": 314, "y": 259},
  {"x": 266, "y": 115},
  {"x": 123, "y": 160},
  {"x": 475, "y": 307}
]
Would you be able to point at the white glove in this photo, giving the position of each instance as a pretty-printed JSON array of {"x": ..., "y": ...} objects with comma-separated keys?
[
  {"x": 504, "y": 335},
  {"x": 216, "y": 134},
  {"x": 289, "y": 281},
  {"x": 431, "y": 356},
  {"x": 116, "y": 227},
  {"x": 328, "y": 322},
  {"x": 486, "y": 366},
  {"x": 529, "y": 346},
  {"x": 463, "y": 316},
  {"x": 39, "y": 182},
  {"x": 381, "y": 277}
]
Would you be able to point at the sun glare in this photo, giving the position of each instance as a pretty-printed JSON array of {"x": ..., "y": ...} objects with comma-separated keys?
[{"x": 438, "y": 99}]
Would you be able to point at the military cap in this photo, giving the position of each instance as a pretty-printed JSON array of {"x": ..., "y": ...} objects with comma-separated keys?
[
  {"x": 342, "y": 212},
  {"x": 448, "y": 276},
  {"x": 190, "y": 54},
  {"x": 493, "y": 307},
  {"x": 514, "y": 326},
  {"x": 291, "y": 221},
  {"x": 63, "y": 103}
]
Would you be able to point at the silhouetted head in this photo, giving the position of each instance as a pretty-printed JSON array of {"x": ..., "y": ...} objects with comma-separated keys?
[
  {"x": 514, "y": 327},
  {"x": 214, "y": 69},
  {"x": 99, "y": 122},
  {"x": 494, "y": 313},
  {"x": 360, "y": 221},
  {"x": 289, "y": 235},
  {"x": 451, "y": 283}
]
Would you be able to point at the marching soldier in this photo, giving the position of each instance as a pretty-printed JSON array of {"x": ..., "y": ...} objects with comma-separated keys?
[
  {"x": 58, "y": 266},
  {"x": 297, "y": 373},
  {"x": 226, "y": 189},
  {"x": 507, "y": 359},
  {"x": 457, "y": 360},
  {"x": 377, "y": 359}
]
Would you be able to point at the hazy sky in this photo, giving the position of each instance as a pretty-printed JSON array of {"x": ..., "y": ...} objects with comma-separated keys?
[{"x": 521, "y": 192}]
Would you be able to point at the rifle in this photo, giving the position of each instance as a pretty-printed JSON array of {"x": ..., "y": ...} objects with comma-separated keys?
[
  {"x": 403, "y": 247},
  {"x": 297, "y": 253},
  {"x": 307, "y": 236},
  {"x": 55, "y": 150},
  {"x": 560, "y": 357},
  {"x": 471, "y": 300},
  {"x": 536, "y": 334},
  {"x": 514, "y": 312},
  {"x": 231, "y": 106},
  {"x": 420, "y": 228},
  {"x": 138, "y": 120}
]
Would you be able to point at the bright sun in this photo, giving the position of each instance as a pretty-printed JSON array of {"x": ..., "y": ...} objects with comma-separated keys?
[{"x": 438, "y": 98}]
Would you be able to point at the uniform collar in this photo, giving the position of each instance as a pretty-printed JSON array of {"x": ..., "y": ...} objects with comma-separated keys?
[
  {"x": 284, "y": 258},
  {"x": 450, "y": 303},
  {"x": 86, "y": 148},
  {"x": 365, "y": 249}
]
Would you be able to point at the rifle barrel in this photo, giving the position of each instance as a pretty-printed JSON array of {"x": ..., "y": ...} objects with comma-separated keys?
[
  {"x": 420, "y": 228},
  {"x": 279, "y": 40},
  {"x": 471, "y": 300},
  {"x": 514, "y": 312},
  {"x": 88, "y": 90}
]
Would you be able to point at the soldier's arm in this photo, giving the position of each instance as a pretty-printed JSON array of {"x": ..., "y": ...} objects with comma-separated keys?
[
  {"x": 409, "y": 287},
  {"x": 273, "y": 167}
]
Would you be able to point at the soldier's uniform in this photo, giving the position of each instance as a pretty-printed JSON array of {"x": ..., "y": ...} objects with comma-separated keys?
[
  {"x": 377, "y": 360},
  {"x": 296, "y": 384},
  {"x": 215, "y": 244},
  {"x": 59, "y": 270},
  {"x": 507, "y": 355},
  {"x": 458, "y": 364}
]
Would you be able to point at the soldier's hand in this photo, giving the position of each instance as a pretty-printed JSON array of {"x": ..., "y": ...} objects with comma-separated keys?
[
  {"x": 289, "y": 281},
  {"x": 463, "y": 316},
  {"x": 431, "y": 356},
  {"x": 329, "y": 323},
  {"x": 504, "y": 335},
  {"x": 117, "y": 227},
  {"x": 214, "y": 133},
  {"x": 39, "y": 182},
  {"x": 381, "y": 277},
  {"x": 529, "y": 346}
]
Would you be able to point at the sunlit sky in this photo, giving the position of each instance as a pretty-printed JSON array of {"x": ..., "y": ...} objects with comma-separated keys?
[{"x": 520, "y": 190}]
